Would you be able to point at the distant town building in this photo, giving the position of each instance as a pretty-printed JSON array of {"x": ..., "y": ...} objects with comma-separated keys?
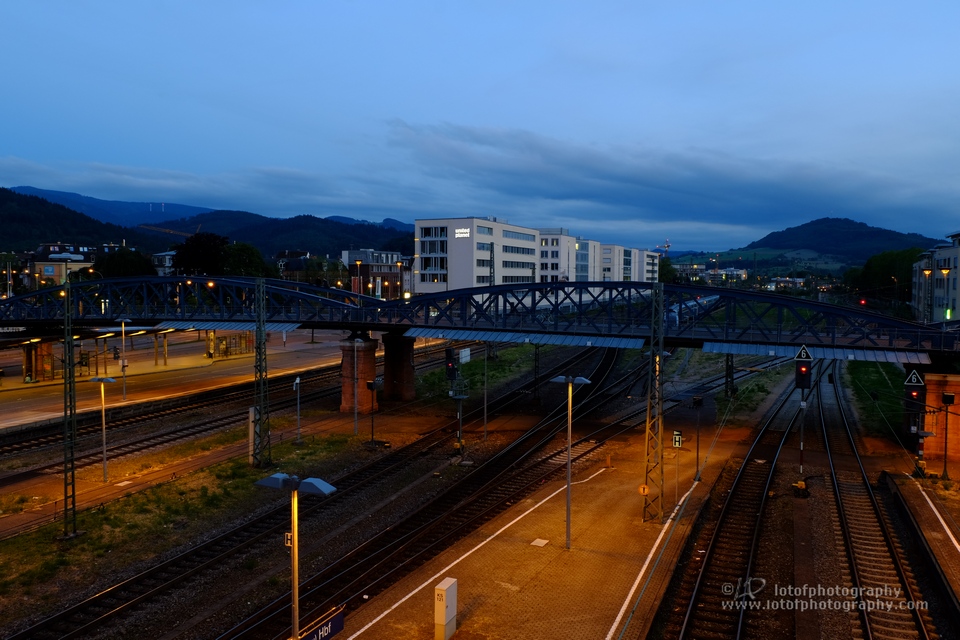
[
  {"x": 375, "y": 273},
  {"x": 163, "y": 262},
  {"x": 935, "y": 274}
]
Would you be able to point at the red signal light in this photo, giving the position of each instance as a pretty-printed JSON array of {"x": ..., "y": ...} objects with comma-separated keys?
[{"x": 863, "y": 301}]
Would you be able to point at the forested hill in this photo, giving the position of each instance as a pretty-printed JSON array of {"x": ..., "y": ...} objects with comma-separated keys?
[
  {"x": 849, "y": 239},
  {"x": 26, "y": 222}
]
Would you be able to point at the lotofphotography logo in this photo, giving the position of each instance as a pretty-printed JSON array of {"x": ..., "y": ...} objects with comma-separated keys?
[{"x": 752, "y": 594}]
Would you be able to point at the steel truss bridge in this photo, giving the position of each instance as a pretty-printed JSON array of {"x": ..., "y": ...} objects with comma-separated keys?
[{"x": 598, "y": 313}]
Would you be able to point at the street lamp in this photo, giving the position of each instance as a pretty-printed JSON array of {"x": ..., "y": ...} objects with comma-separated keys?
[
  {"x": 399, "y": 279},
  {"x": 359, "y": 278},
  {"x": 373, "y": 385},
  {"x": 946, "y": 297},
  {"x": 928, "y": 295},
  {"x": 947, "y": 400},
  {"x": 294, "y": 484},
  {"x": 296, "y": 387},
  {"x": 123, "y": 353},
  {"x": 569, "y": 381},
  {"x": 103, "y": 420}
]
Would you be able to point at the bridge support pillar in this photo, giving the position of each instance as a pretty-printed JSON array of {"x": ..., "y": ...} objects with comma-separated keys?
[
  {"x": 399, "y": 378},
  {"x": 358, "y": 365}
]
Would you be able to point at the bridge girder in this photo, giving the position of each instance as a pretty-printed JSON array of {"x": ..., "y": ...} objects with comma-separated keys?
[{"x": 692, "y": 314}]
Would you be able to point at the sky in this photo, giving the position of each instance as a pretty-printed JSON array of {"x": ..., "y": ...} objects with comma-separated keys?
[{"x": 700, "y": 123}]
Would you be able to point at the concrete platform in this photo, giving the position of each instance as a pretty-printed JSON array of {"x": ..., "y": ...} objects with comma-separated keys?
[{"x": 516, "y": 579}]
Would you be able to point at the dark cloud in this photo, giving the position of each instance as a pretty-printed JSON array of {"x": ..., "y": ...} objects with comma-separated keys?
[{"x": 639, "y": 185}]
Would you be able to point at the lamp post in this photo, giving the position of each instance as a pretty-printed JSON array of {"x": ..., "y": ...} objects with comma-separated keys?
[
  {"x": 103, "y": 420},
  {"x": 399, "y": 279},
  {"x": 359, "y": 278},
  {"x": 296, "y": 387},
  {"x": 294, "y": 484},
  {"x": 947, "y": 400},
  {"x": 946, "y": 297},
  {"x": 569, "y": 381},
  {"x": 123, "y": 353},
  {"x": 373, "y": 385},
  {"x": 927, "y": 295}
]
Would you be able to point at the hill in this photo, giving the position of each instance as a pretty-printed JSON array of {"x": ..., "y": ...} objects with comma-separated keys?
[
  {"x": 849, "y": 240},
  {"x": 128, "y": 214},
  {"x": 319, "y": 236},
  {"x": 28, "y": 221}
]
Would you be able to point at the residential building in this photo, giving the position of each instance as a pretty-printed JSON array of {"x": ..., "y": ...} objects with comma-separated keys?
[
  {"x": 163, "y": 262},
  {"x": 375, "y": 273},
  {"x": 935, "y": 277}
]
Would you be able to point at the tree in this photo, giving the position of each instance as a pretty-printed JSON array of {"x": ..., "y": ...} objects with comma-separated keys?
[
  {"x": 668, "y": 272},
  {"x": 201, "y": 254},
  {"x": 242, "y": 259},
  {"x": 123, "y": 263}
]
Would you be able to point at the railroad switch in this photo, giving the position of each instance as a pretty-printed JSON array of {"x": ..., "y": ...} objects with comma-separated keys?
[{"x": 800, "y": 489}]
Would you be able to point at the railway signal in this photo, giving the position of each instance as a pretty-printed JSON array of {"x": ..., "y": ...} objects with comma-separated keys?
[
  {"x": 803, "y": 376},
  {"x": 451, "y": 366}
]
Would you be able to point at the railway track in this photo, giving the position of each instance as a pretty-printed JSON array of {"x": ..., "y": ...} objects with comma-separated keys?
[
  {"x": 719, "y": 577},
  {"x": 226, "y": 408},
  {"x": 719, "y": 593},
  {"x": 885, "y": 591},
  {"x": 80, "y": 619}
]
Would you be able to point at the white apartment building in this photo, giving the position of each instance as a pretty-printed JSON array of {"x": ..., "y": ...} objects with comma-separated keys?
[
  {"x": 622, "y": 264},
  {"x": 558, "y": 256},
  {"x": 459, "y": 253},
  {"x": 935, "y": 277}
]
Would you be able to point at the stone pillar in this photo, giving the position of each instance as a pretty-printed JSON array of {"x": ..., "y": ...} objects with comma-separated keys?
[
  {"x": 399, "y": 377},
  {"x": 364, "y": 349}
]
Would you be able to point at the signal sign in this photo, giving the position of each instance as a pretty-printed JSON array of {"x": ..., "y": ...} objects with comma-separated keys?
[
  {"x": 914, "y": 379},
  {"x": 803, "y": 355}
]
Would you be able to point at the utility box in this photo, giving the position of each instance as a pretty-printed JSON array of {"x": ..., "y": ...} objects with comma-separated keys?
[{"x": 445, "y": 609}]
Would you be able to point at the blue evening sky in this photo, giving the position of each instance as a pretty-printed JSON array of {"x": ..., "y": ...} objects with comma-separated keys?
[{"x": 708, "y": 123}]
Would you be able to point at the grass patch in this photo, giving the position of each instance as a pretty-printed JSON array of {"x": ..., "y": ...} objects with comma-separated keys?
[
  {"x": 137, "y": 528},
  {"x": 507, "y": 363},
  {"x": 878, "y": 393},
  {"x": 739, "y": 409}
]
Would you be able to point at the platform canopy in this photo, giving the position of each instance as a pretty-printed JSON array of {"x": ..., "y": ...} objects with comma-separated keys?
[
  {"x": 208, "y": 325},
  {"x": 565, "y": 340},
  {"x": 818, "y": 353}
]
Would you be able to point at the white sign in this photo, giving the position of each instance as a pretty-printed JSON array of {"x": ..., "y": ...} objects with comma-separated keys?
[
  {"x": 464, "y": 356},
  {"x": 461, "y": 233}
]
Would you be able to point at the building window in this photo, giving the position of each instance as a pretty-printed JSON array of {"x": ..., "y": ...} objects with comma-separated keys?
[
  {"x": 517, "y": 279},
  {"x": 607, "y": 261},
  {"x": 484, "y": 246},
  {"x": 483, "y": 279},
  {"x": 514, "y": 264},
  {"x": 543, "y": 242},
  {"x": 516, "y": 235},
  {"x": 433, "y": 232},
  {"x": 483, "y": 263},
  {"x": 555, "y": 266},
  {"x": 554, "y": 242},
  {"x": 554, "y": 254},
  {"x": 527, "y": 251},
  {"x": 484, "y": 231}
]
